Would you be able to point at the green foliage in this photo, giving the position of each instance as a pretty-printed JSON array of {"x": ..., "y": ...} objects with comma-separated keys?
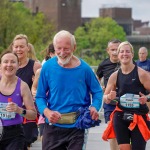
[
  {"x": 93, "y": 37},
  {"x": 16, "y": 19}
]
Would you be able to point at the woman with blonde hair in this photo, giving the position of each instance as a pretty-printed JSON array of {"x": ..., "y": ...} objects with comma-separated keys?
[
  {"x": 14, "y": 93},
  {"x": 26, "y": 71},
  {"x": 32, "y": 53},
  {"x": 129, "y": 121}
]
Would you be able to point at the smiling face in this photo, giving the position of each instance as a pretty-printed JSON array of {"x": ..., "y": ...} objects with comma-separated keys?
[
  {"x": 63, "y": 50},
  {"x": 20, "y": 47},
  {"x": 9, "y": 64},
  {"x": 125, "y": 54}
]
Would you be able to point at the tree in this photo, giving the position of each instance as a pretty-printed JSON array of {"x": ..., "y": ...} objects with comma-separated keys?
[
  {"x": 93, "y": 37},
  {"x": 16, "y": 19}
]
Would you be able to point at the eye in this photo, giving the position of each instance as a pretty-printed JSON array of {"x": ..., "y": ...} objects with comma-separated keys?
[
  {"x": 5, "y": 61},
  {"x": 121, "y": 51}
]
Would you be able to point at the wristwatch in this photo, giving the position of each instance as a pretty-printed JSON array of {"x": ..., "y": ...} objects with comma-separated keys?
[
  {"x": 23, "y": 112},
  {"x": 148, "y": 98}
]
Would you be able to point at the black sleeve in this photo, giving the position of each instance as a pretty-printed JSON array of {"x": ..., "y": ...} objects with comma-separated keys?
[{"x": 99, "y": 71}]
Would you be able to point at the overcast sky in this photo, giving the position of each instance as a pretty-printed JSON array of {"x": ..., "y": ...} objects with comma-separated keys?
[{"x": 140, "y": 8}]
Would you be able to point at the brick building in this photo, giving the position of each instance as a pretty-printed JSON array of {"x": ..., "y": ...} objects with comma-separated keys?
[
  {"x": 123, "y": 16},
  {"x": 65, "y": 14}
]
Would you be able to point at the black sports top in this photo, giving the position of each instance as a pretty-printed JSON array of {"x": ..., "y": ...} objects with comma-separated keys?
[
  {"x": 26, "y": 73},
  {"x": 130, "y": 83},
  {"x": 106, "y": 68}
]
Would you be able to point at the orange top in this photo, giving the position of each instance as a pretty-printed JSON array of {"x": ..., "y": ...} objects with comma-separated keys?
[{"x": 137, "y": 120}]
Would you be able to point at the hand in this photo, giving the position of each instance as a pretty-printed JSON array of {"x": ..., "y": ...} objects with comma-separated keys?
[
  {"x": 103, "y": 87},
  {"x": 52, "y": 116},
  {"x": 12, "y": 107},
  {"x": 111, "y": 95},
  {"x": 94, "y": 114},
  {"x": 142, "y": 99}
]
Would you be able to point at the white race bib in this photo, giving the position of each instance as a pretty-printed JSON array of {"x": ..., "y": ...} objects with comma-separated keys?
[
  {"x": 4, "y": 114},
  {"x": 130, "y": 101}
]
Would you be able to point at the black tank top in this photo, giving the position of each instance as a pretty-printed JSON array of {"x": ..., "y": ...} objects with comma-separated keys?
[
  {"x": 130, "y": 83},
  {"x": 26, "y": 73}
]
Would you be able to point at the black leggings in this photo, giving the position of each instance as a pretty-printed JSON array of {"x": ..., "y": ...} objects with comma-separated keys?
[
  {"x": 13, "y": 138},
  {"x": 125, "y": 136}
]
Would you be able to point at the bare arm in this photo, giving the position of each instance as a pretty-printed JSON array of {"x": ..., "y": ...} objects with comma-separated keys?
[
  {"x": 28, "y": 102},
  {"x": 110, "y": 91},
  {"x": 35, "y": 82},
  {"x": 36, "y": 66},
  {"x": 144, "y": 77}
]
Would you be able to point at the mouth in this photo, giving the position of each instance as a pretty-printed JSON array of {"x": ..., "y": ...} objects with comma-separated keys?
[
  {"x": 62, "y": 57},
  {"x": 9, "y": 69},
  {"x": 115, "y": 54}
]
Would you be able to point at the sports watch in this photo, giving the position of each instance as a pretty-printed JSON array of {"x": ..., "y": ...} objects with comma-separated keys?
[
  {"x": 23, "y": 112},
  {"x": 148, "y": 98}
]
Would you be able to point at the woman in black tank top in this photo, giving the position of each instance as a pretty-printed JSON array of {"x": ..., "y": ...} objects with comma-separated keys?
[
  {"x": 26, "y": 72},
  {"x": 131, "y": 83}
]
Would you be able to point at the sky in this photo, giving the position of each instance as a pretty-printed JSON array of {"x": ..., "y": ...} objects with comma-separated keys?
[{"x": 140, "y": 8}]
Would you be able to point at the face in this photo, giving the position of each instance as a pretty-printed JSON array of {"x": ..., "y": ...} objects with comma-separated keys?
[
  {"x": 9, "y": 64},
  {"x": 63, "y": 50},
  {"x": 125, "y": 54},
  {"x": 142, "y": 54},
  {"x": 52, "y": 54},
  {"x": 21, "y": 48},
  {"x": 112, "y": 51}
]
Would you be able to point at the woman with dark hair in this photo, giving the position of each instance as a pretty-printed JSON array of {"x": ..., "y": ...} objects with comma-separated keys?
[
  {"x": 50, "y": 52},
  {"x": 13, "y": 94}
]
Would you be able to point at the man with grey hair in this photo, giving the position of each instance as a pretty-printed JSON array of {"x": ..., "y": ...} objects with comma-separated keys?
[
  {"x": 143, "y": 62},
  {"x": 69, "y": 82}
]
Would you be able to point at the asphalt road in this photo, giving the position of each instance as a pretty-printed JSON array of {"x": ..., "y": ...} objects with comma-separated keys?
[{"x": 94, "y": 142}]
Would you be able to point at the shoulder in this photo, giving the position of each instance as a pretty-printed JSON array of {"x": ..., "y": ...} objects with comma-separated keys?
[
  {"x": 36, "y": 63},
  {"x": 85, "y": 65},
  {"x": 36, "y": 66},
  {"x": 137, "y": 62},
  {"x": 38, "y": 72},
  {"x": 143, "y": 74},
  {"x": 24, "y": 86},
  {"x": 105, "y": 61},
  {"x": 113, "y": 77},
  {"x": 114, "y": 74}
]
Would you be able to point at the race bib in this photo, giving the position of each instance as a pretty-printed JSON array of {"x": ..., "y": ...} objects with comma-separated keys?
[
  {"x": 4, "y": 114},
  {"x": 130, "y": 101}
]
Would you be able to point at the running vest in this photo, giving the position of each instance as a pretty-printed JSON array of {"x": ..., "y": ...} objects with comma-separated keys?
[
  {"x": 26, "y": 73},
  {"x": 130, "y": 83},
  {"x": 11, "y": 118}
]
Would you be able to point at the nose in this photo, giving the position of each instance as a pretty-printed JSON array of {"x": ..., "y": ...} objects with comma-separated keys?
[
  {"x": 9, "y": 64},
  {"x": 18, "y": 48},
  {"x": 115, "y": 52}
]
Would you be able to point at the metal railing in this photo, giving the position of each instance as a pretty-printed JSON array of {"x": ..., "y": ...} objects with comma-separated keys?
[{"x": 94, "y": 68}]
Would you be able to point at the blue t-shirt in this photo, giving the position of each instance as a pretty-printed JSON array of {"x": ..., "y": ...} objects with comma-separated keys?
[
  {"x": 144, "y": 64},
  {"x": 68, "y": 88}
]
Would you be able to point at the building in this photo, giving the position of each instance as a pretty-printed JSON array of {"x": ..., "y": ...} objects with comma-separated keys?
[
  {"x": 122, "y": 15},
  {"x": 65, "y": 14}
]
